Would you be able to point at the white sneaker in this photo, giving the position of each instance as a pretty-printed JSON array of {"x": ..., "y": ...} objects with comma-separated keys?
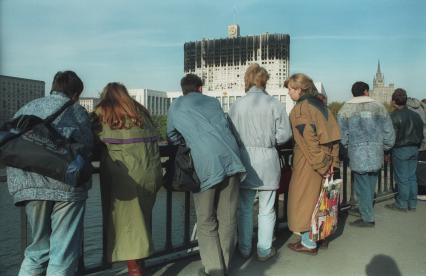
[{"x": 421, "y": 197}]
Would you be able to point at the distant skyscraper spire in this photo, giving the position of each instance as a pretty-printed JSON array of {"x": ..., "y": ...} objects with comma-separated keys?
[{"x": 379, "y": 80}]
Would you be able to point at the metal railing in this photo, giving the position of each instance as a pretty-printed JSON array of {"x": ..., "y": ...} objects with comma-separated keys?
[{"x": 385, "y": 190}]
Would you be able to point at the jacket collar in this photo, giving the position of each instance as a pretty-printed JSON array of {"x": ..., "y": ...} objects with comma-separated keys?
[
  {"x": 61, "y": 94},
  {"x": 361, "y": 99},
  {"x": 255, "y": 89},
  {"x": 304, "y": 97}
]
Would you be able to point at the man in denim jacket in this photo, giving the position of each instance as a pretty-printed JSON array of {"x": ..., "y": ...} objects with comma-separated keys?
[
  {"x": 55, "y": 210},
  {"x": 367, "y": 132}
]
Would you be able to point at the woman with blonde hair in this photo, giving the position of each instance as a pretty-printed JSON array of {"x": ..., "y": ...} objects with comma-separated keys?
[
  {"x": 130, "y": 174},
  {"x": 261, "y": 123},
  {"x": 316, "y": 134}
]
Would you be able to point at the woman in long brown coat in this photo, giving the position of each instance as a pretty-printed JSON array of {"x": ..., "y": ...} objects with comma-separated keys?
[{"x": 316, "y": 134}]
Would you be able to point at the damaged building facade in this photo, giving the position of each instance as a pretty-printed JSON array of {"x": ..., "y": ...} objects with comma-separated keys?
[{"x": 221, "y": 63}]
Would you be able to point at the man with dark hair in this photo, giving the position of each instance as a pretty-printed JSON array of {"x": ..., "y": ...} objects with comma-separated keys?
[
  {"x": 366, "y": 130},
  {"x": 55, "y": 210},
  {"x": 360, "y": 88},
  {"x": 200, "y": 121},
  {"x": 190, "y": 83},
  {"x": 409, "y": 135}
]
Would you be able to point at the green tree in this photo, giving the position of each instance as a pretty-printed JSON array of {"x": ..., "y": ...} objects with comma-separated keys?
[
  {"x": 160, "y": 122},
  {"x": 335, "y": 107}
]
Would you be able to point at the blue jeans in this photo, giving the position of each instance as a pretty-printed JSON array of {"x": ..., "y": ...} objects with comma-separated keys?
[
  {"x": 57, "y": 232},
  {"x": 365, "y": 186},
  {"x": 266, "y": 221},
  {"x": 404, "y": 161}
]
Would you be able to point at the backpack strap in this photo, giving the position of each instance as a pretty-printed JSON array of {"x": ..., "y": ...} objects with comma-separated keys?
[{"x": 53, "y": 116}]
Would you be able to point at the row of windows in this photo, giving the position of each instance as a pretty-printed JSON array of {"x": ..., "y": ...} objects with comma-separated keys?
[{"x": 158, "y": 105}]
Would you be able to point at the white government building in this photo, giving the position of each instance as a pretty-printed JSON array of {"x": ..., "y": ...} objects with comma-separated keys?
[{"x": 221, "y": 63}]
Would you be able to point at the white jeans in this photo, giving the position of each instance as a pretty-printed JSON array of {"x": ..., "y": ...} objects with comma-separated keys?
[{"x": 266, "y": 221}]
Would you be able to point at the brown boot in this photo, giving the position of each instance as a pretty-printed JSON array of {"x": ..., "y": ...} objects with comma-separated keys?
[{"x": 134, "y": 268}]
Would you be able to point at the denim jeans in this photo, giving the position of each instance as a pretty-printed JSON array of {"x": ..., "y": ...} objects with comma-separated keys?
[
  {"x": 216, "y": 211},
  {"x": 266, "y": 221},
  {"x": 57, "y": 232},
  {"x": 404, "y": 161},
  {"x": 365, "y": 186}
]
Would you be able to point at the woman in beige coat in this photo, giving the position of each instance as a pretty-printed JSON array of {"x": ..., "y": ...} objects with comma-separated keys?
[{"x": 316, "y": 134}]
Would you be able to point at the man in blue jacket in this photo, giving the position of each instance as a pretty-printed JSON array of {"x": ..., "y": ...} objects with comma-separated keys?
[
  {"x": 367, "y": 132},
  {"x": 199, "y": 119}
]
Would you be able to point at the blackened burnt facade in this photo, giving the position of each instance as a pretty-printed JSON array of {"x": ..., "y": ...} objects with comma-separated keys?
[{"x": 221, "y": 63}]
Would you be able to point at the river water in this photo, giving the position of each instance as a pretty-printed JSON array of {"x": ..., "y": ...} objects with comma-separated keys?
[{"x": 10, "y": 255}]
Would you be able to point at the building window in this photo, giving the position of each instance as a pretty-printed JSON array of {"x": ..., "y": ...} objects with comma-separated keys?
[
  {"x": 231, "y": 100},
  {"x": 225, "y": 105}
]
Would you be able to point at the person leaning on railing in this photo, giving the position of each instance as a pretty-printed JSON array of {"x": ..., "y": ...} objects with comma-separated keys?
[
  {"x": 55, "y": 210},
  {"x": 200, "y": 120},
  {"x": 130, "y": 174},
  {"x": 316, "y": 135}
]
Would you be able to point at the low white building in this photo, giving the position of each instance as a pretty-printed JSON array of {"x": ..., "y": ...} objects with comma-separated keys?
[
  {"x": 157, "y": 102},
  {"x": 88, "y": 103}
]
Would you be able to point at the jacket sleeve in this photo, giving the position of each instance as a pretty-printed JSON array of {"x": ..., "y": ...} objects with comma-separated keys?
[
  {"x": 344, "y": 130},
  {"x": 84, "y": 133},
  {"x": 282, "y": 126},
  {"x": 309, "y": 143},
  {"x": 173, "y": 136},
  {"x": 388, "y": 133}
]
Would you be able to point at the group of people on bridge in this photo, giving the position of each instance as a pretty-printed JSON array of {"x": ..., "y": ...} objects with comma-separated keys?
[{"x": 235, "y": 158}]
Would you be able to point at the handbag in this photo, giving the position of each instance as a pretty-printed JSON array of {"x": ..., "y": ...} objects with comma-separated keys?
[
  {"x": 325, "y": 216},
  {"x": 285, "y": 173},
  {"x": 34, "y": 145},
  {"x": 180, "y": 173}
]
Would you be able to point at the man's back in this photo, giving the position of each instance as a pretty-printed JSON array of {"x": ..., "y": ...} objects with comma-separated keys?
[
  {"x": 203, "y": 125},
  {"x": 367, "y": 132},
  {"x": 408, "y": 127}
]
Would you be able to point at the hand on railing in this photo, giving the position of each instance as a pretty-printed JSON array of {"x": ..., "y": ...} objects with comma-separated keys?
[{"x": 387, "y": 158}]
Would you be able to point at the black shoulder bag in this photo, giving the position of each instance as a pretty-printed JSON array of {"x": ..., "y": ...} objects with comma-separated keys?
[
  {"x": 180, "y": 172},
  {"x": 33, "y": 144}
]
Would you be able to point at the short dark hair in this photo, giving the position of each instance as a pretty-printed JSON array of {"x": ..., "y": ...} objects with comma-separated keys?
[
  {"x": 68, "y": 83},
  {"x": 358, "y": 88},
  {"x": 399, "y": 96},
  {"x": 190, "y": 83}
]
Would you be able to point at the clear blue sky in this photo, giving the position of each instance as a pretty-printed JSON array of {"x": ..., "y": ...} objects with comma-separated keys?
[{"x": 140, "y": 43}]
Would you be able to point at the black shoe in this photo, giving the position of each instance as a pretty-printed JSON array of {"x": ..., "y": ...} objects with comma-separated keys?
[
  {"x": 323, "y": 244},
  {"x": 361, "y": 223},
  {"x": 354, "y": 212},
  {"x": 412, "y": 209},
  {"x": 244, "y": 256},
  {"x": 267, "y": 257},
  {"x": 393, "y": 207}
]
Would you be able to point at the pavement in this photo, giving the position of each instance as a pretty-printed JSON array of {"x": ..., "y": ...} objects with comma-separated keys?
[{"x": 396, "y": 246}]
